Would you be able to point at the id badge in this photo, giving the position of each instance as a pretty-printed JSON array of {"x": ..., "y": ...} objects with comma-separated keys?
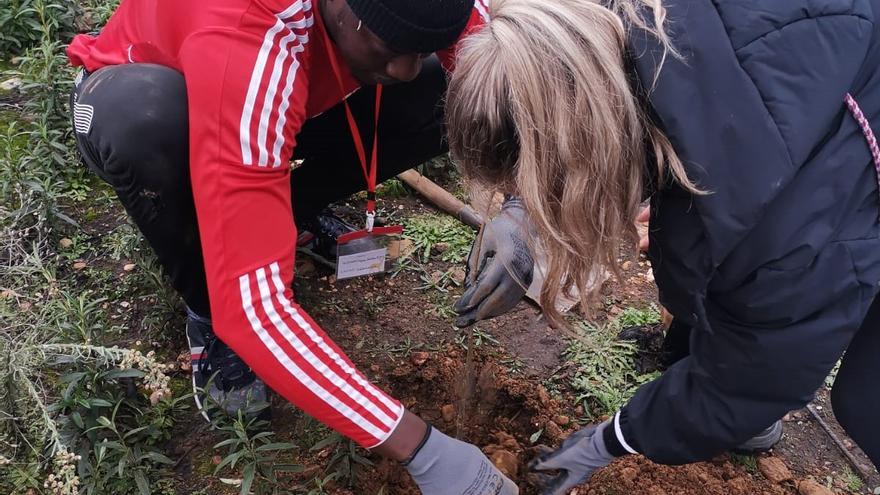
[{"x": 365, "y": 252}]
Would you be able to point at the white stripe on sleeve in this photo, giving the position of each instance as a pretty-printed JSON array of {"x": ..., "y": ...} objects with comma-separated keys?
[
  {"x": 294, "y": 370},
  {"x": 311, "y": 358},
  {"x": 322, "y": 344}
]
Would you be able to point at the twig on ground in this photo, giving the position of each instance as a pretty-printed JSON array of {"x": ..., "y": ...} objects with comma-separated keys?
[{"x": 863, "y": 471}]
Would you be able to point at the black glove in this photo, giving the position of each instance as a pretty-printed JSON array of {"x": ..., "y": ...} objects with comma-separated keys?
[
  {"x": 499, "y": 267},
  {"x": 580, "y": 455}
]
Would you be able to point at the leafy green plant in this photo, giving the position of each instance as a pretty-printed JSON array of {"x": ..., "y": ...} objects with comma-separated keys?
[
  {"x": 439, "y": 232},
  {"x": 392, "y": 189},
  {"x": 604, "y": 374},
  {"x": 250, "y": 445},
  {"x": 23, "y": 23},
  {"x": 748, "y": 462},
  {"x": 852, "y": 480},
  {"x": 345, "y": 461},
  {"x": 635, "y": 317}
]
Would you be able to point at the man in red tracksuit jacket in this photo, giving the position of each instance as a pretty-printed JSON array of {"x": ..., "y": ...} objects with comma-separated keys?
[{"x": 194, "y": 110}]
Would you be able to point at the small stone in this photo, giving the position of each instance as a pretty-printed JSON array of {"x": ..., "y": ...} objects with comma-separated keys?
[
  {"x": 8, "y": 294},
  {"x": 418, "y": 358},
  {"x": 331, "y": 279},
  {"x": 774, "y": 469},
  {"x": 440, "y": 247},
  {"x": 650, "y": 275},
  {"x": 307, "y": 267},
  {"x": 125, "y": 304},
  {"x": 128, "y": 267},
  {"x": 626, "y": 265},
  {"x": 848, "y": 444},
  {"x": 506, "y": 462},
  {"x": 561, "y": 420},
  {"x": 552, "y": 431},
  {"x": 79, "y": 265},
  {"x": 184, "y": 361},
  {"x": 810, "y": 487},
  {"x": 10, "y": 84},
  {"x": 65, "y": 243},
  {"x": 614, "y": 310},
  {"x": 457, "y": 275},
  {"x": 216, "y": 460},
  {"x": 543, "y": 396},
  {"x": 629, "y": 474},
  {"x": 448, "y": 413}
]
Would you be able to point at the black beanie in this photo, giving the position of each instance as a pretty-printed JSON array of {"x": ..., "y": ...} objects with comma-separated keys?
[{"x": 414, "y": 26}]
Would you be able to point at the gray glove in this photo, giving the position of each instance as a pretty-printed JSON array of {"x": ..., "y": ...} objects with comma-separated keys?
[
  {"x": 502, "y": 265},
  {"x": 580, "y": 455},
  {"x": 446, "y": 466}
]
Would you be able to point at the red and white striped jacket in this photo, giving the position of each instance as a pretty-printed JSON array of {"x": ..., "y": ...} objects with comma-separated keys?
[{"x": 255, "y": 71}]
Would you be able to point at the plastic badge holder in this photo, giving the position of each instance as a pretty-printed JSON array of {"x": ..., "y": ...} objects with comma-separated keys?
[{"x": 364, "y": 252}]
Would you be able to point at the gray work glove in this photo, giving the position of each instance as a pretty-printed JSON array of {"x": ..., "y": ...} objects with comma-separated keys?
[
  {"x": 580, "y": 455},
  {"x": 446, "y": 466},
  {"x": 499, "y": 267}
]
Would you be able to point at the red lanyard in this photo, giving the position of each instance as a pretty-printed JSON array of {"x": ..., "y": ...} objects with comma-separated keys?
[{"x": 369, "y": 171}]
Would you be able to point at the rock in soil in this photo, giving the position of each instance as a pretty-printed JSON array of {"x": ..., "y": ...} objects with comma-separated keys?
[
  {"x": 774, "y": 469},
  {"x": 418, "y": 358},
  {"x": 553, "y": 431},
  {"x": 506, "y": 462},
  {"x": 448, "y": 413},
  {"x": 810, "y": 487}
]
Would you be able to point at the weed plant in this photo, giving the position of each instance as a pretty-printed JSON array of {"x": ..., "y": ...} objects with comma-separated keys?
[
  {"x": 429, "y": 231},
  {"x": 604, "y": 372}
]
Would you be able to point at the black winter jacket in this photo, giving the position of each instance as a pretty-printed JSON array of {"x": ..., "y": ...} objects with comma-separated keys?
[{"x": 775, "y": 269}]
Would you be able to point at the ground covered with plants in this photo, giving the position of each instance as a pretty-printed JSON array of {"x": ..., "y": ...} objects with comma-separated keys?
[{"x": 94, "y": 373}]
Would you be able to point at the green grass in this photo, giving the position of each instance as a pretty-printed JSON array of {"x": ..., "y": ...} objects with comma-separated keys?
[
  {"x": 747, "y": 462},
  {"x": 852, "y": 480}
]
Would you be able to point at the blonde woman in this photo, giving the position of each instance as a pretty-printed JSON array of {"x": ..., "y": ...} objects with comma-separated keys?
[{"x": 748, "y": 124}]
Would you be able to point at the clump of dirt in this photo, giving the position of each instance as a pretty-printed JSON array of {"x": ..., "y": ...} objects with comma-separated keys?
[
  {"x": 502, "y": 414},
  {"x": 635, "y": 474}
]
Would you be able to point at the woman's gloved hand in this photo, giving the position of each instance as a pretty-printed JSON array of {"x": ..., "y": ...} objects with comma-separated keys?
[
  {"x": 446, "y": 466},
  {"x": 580, "y": 455},
  {"x": 499, "y": 267}
]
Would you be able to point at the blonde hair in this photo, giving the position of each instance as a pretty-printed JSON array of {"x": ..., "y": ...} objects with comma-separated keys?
[{"x": 541, "y": 105}]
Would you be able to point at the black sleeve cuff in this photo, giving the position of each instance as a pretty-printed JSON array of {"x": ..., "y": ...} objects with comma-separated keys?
[{"x": 615, "y": 440}]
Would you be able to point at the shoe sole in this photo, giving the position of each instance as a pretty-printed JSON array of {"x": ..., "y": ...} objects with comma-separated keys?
[
  {"x": 761, "y": 443},
  {"x": 194, "y": 386}
]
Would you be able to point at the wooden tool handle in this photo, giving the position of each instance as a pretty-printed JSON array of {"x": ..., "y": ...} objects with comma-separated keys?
[{"x": 442, "y": 198}]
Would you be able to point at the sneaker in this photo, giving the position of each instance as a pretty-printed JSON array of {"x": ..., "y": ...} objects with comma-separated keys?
[
  {"x": 763, "y": 441},
  {"x": 318, "y": 237},
  {"x": 216, "y": 370}
]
